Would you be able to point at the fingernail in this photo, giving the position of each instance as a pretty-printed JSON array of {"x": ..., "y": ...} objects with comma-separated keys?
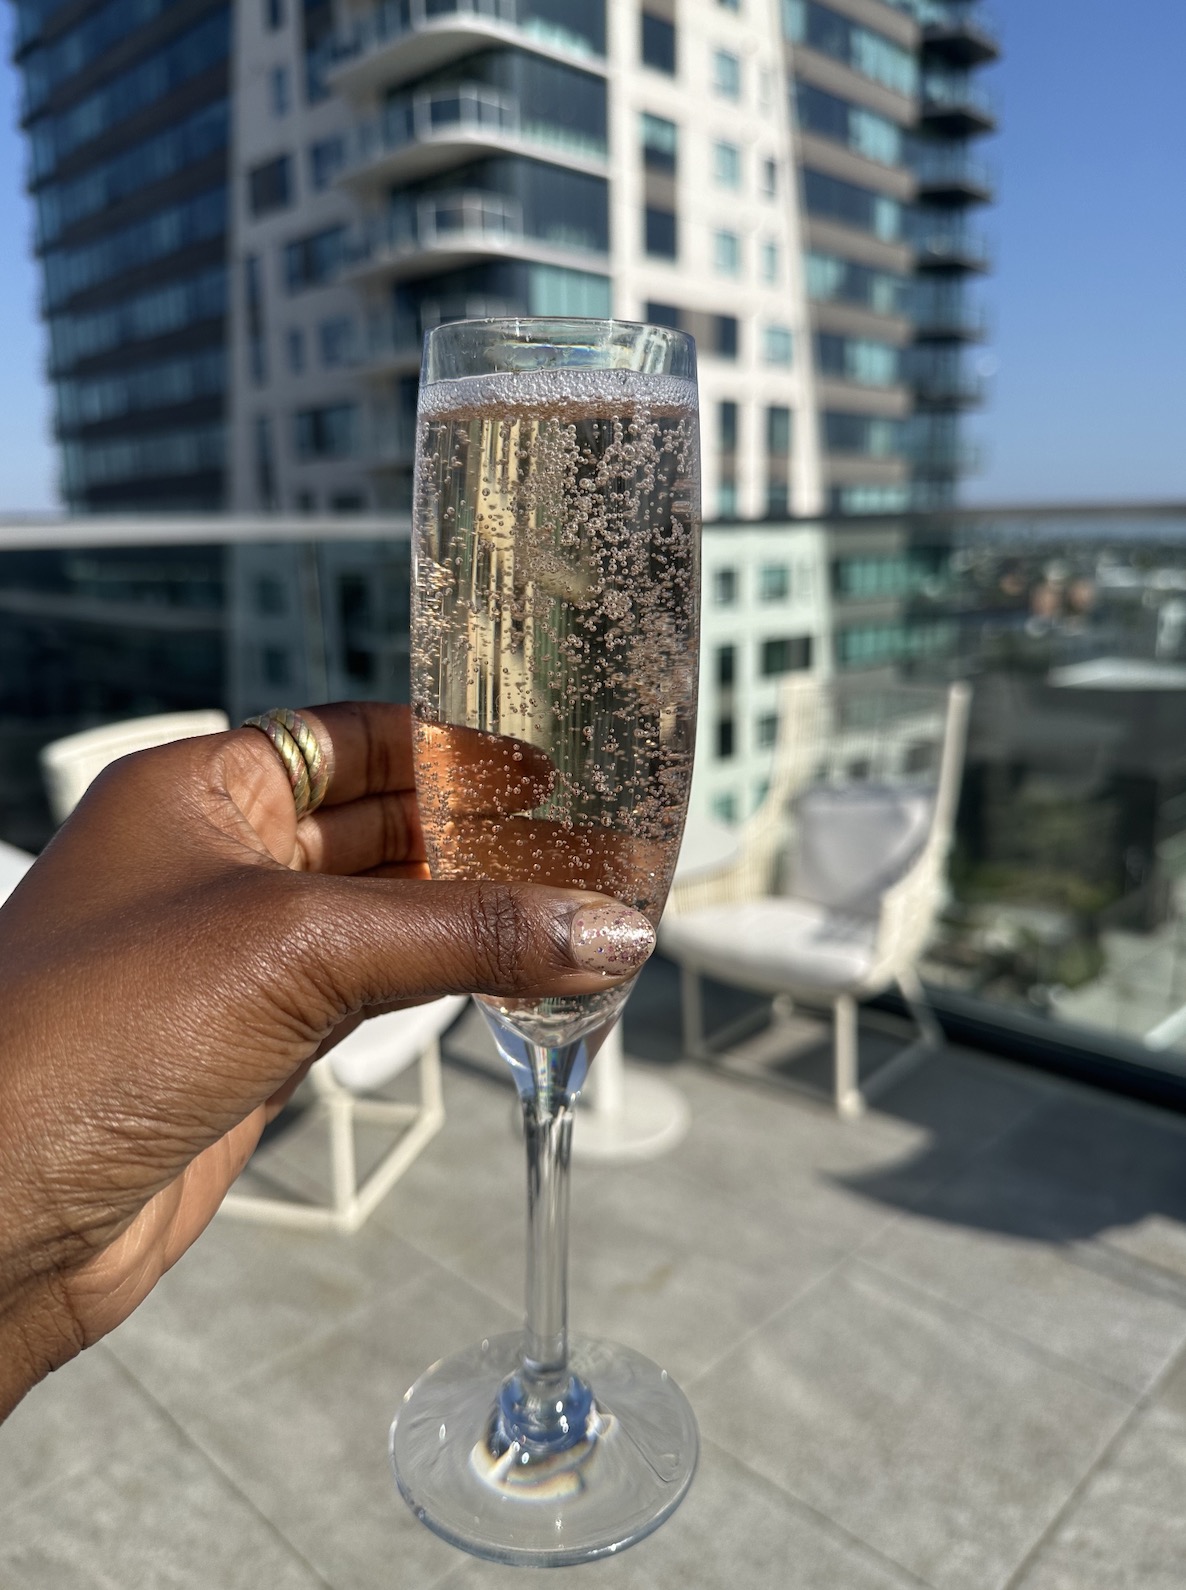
[{"x": 610, "y": 938}]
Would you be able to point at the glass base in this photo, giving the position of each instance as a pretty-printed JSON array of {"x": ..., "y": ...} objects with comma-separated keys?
[{"x": 625, "y": 1471}]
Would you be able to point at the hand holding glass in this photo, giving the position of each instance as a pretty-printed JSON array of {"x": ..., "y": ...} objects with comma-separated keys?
[{"x": 555, "y": 634}]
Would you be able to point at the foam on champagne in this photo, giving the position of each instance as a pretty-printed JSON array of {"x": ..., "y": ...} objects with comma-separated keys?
[{"x": 563, "y": 393}]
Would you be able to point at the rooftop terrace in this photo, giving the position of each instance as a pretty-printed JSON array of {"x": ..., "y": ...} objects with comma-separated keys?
[{"x": 943, "y": 1347}]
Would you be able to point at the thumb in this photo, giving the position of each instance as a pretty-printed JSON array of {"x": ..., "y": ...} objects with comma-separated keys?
[{"x": 371, "y": 941}]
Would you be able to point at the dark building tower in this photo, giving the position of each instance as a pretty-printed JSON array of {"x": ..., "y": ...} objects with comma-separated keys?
[
  {"x": 953, "y": 111},
  {"x": 127, "y": 110}
]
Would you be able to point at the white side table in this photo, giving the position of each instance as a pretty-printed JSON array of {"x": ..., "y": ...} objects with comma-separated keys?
[{"x": 624, "y": 1113}]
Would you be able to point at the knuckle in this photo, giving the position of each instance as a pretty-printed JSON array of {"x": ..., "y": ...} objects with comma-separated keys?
[{"x": 501, "y": 935}]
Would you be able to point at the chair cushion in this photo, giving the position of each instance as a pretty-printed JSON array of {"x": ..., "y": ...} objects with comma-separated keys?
[
  {"x": 775, "y": 944},
  {"x": 386, "y": 1045},
  {"x": 852, "y": 843}
]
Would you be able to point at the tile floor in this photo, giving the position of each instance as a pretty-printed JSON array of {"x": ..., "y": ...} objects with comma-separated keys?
[{"x": 942, "y": 1347}]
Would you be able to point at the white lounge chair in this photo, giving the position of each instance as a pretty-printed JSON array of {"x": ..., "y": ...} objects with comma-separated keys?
[
  {"x": 373, "y": 1055},
  {"x": 840, "y": 878}
]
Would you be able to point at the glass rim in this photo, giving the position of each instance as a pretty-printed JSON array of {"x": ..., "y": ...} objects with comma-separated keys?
[{"x": 666, "y": 346}]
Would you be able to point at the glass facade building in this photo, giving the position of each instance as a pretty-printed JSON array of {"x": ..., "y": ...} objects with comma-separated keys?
[
  {"x": 248, "y": 217},
  {"x": 127, "y": 110}
]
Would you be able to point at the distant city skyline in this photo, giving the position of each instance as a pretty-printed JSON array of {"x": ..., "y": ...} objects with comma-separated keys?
[{"x": 1086, "y": 283}]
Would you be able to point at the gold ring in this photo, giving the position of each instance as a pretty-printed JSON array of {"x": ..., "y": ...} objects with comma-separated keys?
[{"x": 300, "y": 750}]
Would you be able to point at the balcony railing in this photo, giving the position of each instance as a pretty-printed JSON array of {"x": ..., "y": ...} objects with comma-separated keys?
[
  {"x": 953, "y": 102},
  {"x": 948, "y": 315},
  {"x": 944, "y": 383},
  {"x": 949, "y": 247},
  {"x": 951, "y": 170},
  {"x": 961, "y": 33},
  {"x": 473, "y": 111},
  {"x": 400, "y": 337},
  {"x": 438, "y": 221}
]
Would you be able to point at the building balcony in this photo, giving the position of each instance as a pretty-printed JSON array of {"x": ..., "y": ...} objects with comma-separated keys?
[
  {"x": 944, "y": 384},
  {"x": 952, "y": 104},
  {"x": 943, "y": 459},
  {"x": 444, "y": 230},
  {"x": 403, "y": 39},
  {"x": 948, "y": 175},
  {"x": 964, "y": 35},
  {"x": 949, "y": 248},
  {"x": 423, "y": 133},
  {"x": 948, "y": 317},
  {"x": 395, "y": 342}
]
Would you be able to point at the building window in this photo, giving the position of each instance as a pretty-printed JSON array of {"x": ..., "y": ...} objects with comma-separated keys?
[
  {"x": 873, "y": 435},
  {"x": 769, "y": 178},
  {"x": 265, "y": 474},
  {"x": 724, "y": 587},
  {"x": 858, "y": 359},
  {"x": 851, "y": 204},
  {"x": 726, "y": 498},
  {"x": 788, "y": 654},
  {"x": 726, "y": 74},
  {"x": 774, "y": 582},
  {"x": 274, "y": 665},
  {"x": 278, "y": 86},
  {"x": 725, "y": 738},
  {"x": 658, "y": 44},
  {"x": 729, "y": 5},
  {"x": 273, "y": 15},
  {"x": 269, "y": 187},
  {"x": 865, "y": 51},
  {"x": 766, "y": 730},
  {"x": 725, "y": 336},
  {"x": 770, "y": 262},
  {"x": 726, "y": 253},
  {"x": 727, "y": 426},
  {"x": 777, "y": 345},
  {"x": 660, "y": 232},
  {"x": 726, "y": 666},
  {"x": 724, "y": 806},
  {"x": 311, "y": 261},
  {"x": 330, "y": 432},
  {"x": 269, "y": 594},
  {"x": 778, "y": 432},
  {"x": 306, "y": 502},
  {"x": 338, "y": 339},
  {"x": 662, "y": 315},
  {"x": 296, "y": 350},
  {"x": 726, "y": 164},
  {"x": 659, "y": 141},
  {"x": 256, "y": 342},
  {"x": 326, "y": 159}
]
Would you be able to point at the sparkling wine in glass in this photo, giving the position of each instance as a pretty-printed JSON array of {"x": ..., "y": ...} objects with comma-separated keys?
[{"x": 554, "y": 675}]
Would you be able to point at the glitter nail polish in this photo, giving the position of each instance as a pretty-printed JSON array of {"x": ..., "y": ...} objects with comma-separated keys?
[{"x": 610, "y": 938}]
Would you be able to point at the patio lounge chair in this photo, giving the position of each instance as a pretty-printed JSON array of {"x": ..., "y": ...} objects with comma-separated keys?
[
  {"x": 374, "y": 1054},
  {"x": 840, "y": 878}
]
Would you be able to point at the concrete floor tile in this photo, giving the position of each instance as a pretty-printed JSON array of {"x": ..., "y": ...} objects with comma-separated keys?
[
  {"x": 247, "y": 1294},
  {"x": 733, "y": 1530},
  {"x": 139, "y": 1507},
  {"x": 789, "y": 1161},
  {"x": 66, "y": 1423},
  {"x": 308, "y": 1443},
  {"x": 1127, "y": 1529},
  {"x": 988, "y": 1241},
  {"x": 940, "y": 1442}
]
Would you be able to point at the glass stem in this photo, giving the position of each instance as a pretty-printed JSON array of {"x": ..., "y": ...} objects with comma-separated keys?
[
  {"x": 543, "y": 1405},
  {"x": 547, "y": 1132}
]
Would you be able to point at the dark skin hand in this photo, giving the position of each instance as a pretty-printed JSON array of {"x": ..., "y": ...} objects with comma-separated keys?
[{"x": 173, "y": 964}]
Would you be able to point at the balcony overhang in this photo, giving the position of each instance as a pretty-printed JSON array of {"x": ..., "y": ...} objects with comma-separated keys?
[
  {"x": 388, "y": 62},
  {"x": 963, "y": 43},
  {"x": 964, "y": 118},
  {"x": 427, "y": 156},
  {"x": 464, "y": 247}
]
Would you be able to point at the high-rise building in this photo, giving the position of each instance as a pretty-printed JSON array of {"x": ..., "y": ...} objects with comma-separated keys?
[{"x": 236, "y": 301}]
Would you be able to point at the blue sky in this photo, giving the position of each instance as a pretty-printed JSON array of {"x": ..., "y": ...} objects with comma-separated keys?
[{"x": 1087, "y": 298}]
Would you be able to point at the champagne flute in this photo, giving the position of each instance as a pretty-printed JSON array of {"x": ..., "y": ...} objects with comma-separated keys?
[{"x": 554, "y": 659}]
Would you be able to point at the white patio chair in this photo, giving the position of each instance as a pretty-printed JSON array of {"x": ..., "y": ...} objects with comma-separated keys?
[
  {"x": 839, "y": 881},
  {"x": 70, "y": 765},
  {"x": 374, "y": 1054}
]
